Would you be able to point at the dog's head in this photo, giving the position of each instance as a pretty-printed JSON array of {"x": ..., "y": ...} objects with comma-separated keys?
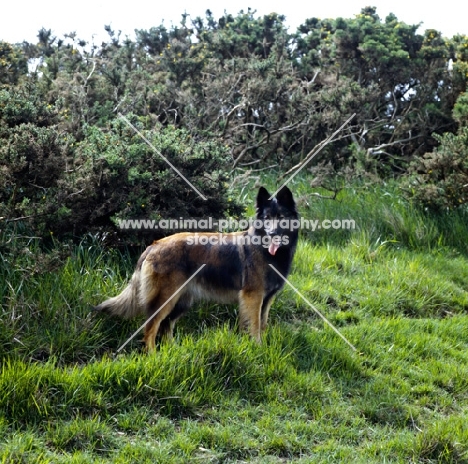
[{"x": 276, "y": 219}]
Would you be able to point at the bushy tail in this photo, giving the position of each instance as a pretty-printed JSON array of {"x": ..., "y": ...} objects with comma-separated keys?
[{"x": 126, "y": 304}]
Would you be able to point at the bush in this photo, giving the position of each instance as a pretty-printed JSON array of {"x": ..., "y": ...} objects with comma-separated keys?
[
  {"x": 54, "y": 184},
  {"x": 439, "y": 180},
  {"x": 117, "y": 175},
  {"x": 33, "y": 159}
]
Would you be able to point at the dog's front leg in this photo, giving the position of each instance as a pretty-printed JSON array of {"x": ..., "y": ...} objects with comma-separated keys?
[{"x": 250, "y": 309}]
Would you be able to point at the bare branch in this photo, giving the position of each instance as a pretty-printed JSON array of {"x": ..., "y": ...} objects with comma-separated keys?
[
  {"x": 315, "y": 151},
  {"x": 265, "y": 139},
  {"x": 379, "y": 149}
]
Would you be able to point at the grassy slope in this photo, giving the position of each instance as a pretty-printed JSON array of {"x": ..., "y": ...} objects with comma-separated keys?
[{"x": 397, "y": 288}]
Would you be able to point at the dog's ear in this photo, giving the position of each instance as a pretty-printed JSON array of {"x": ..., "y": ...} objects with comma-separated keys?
[
  {"x": 285, "y": 198},
  {"x": 262, "y": 198}
]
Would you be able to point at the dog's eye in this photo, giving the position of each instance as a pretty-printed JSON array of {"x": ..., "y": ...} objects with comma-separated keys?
[{"x": 266, "y": 216}]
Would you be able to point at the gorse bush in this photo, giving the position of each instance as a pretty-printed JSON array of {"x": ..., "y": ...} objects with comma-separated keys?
[
  {"x": 271, "y": 94},
  {"x": 212, "y": 95},
  {"x": 117, "y": 175},
  {"x": 57, "y": 184},
  {"x": 439, "y": 179},
  {"x": 33, "y": 157}
]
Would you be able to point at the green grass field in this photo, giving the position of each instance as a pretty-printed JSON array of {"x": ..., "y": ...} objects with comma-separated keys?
[{"x": 396, "y": 288}]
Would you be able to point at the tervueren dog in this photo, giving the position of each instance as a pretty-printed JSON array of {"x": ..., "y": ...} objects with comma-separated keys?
[{"x": 236, "y": 269}]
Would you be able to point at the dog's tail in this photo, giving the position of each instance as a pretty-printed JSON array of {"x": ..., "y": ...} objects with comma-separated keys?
[{"x": 127, "y": 303}]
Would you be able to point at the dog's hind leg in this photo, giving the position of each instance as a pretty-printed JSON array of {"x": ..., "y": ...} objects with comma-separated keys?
[
  {"x": 166, "y": 328},
  {"x": 163, "y": 306},
  {"x": 159, "y": 294}
]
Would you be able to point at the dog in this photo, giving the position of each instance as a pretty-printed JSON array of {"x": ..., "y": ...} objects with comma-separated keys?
[{"x": 224, "y": 268}]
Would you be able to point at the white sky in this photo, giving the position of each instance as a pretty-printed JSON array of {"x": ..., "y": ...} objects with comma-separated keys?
[{"x": 21, "y": 19}]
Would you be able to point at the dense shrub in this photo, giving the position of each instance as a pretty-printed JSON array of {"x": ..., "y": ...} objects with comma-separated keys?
[
  {"x": 240, "y": 92},
  {"x": 440, "y": 179},
  {"x": 56, "y": 184},
  {"x": 117, "y": 175}
]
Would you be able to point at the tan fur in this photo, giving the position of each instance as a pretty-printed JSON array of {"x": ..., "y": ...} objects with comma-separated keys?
[
  {"x": 152, "y": 286},
  {"x": 127, "y": 304},
  {"x": 234, "y": 272}
]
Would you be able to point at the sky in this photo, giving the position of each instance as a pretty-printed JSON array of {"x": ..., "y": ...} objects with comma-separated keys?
[{"x": 21, "y": 19}]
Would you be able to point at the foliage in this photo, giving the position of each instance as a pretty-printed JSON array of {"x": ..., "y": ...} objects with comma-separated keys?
[
  {"x": 412, "y": 89},
  {"x": 33, "y": 157},
  {"x": 460, "y": 110},
  {"x": 239, "y": 91},
  {"x": 60, "y": 185},
  {"x": 233, "y": 102},
  {"x": 13, "y": 63},
  {"x": 213, "y": 394},
  {"x": 271, "y": 95},
  {"x": 440, "y": 178},
  {"x": 122, "y": 177}
]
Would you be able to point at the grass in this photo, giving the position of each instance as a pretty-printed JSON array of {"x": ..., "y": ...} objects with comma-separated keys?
[{"x": 399, "y": 293}]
